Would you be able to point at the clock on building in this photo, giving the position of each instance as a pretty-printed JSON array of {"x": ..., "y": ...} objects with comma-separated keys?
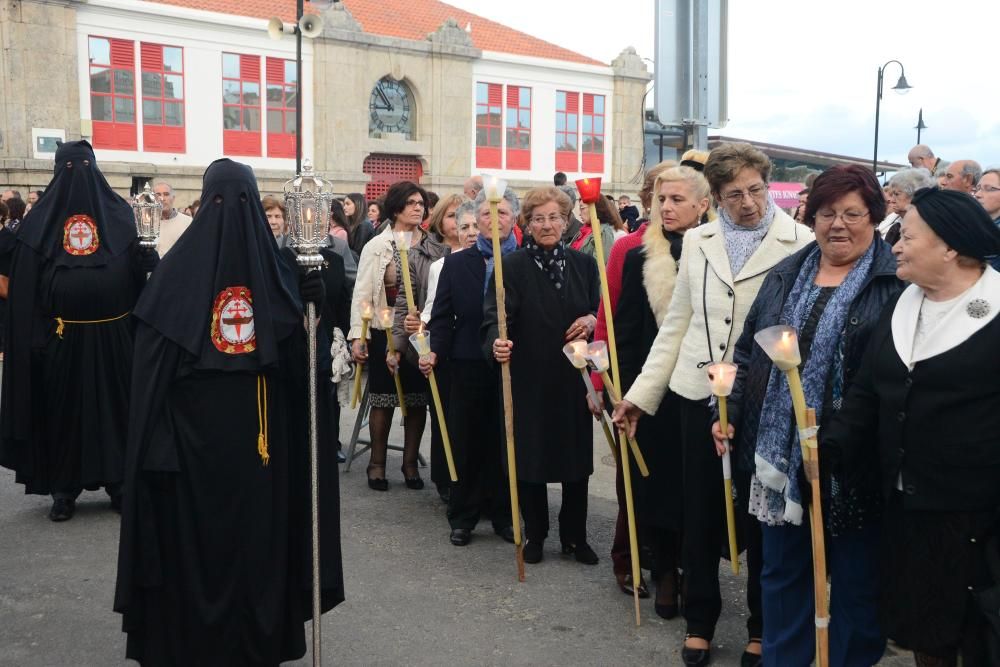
[{"x": 390, "y": 108}]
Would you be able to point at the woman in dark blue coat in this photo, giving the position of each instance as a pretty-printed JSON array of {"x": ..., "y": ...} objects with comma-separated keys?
[{"x": 832, "y": 291}]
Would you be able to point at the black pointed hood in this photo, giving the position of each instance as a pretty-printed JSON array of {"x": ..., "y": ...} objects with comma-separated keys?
[
  {"x": 80, "y": 221},
  {"x": 222, "y": 293}
]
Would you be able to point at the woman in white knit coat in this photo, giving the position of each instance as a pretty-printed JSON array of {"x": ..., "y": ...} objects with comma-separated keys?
[{"x": 722, "y": 266}]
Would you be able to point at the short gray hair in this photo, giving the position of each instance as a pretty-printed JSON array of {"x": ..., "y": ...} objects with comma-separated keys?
[
  {"x": 972, "y": 169},
  {"x": 909, "y": 181},
  {"x": 466, "y": 207},
  {"x": 942, "y": 169},
  {"x": 160, "y": 181},
  {"x": 508, "y": 195}
]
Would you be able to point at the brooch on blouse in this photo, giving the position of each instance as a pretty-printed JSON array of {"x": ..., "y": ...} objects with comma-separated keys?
[{"x": 978, "y": 308}]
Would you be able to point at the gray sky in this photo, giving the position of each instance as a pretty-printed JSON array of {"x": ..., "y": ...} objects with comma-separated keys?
[{"x": 803, "y": 73}]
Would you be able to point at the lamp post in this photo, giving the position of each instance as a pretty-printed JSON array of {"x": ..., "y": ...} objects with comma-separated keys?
[
  {"x": 901, "y": 87},
  {"x": 307, "y": 199},
  {"x": 920, "y": 124}
]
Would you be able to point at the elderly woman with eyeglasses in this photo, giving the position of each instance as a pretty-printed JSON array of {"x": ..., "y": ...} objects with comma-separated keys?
[
  {"x": 832, "y": 292},
  {"x": 900, "y": 191},
  {"x": 552, "y": 293},
  {"x": 722, "y": 267},
  {"x": 921, "y": 420}
]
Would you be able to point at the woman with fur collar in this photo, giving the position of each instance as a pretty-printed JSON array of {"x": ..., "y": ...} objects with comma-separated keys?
[{"x": 648, "y": 277}]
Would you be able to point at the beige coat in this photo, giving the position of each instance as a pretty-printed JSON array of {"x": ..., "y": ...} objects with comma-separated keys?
[
  {"x": 705, "y": 286},
  {"x": 370, "y": 283}
]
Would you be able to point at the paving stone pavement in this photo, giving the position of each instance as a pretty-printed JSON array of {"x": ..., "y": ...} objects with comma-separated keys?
[{"x": 412, "y": 598}]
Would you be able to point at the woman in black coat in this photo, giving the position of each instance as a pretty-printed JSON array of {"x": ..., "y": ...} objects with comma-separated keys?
[
  {"x": 922, "y": 421},
  {"x": 833, "y": 292},
  {"x": 552, "y": 294},
  {"x": 648, "y": 277}
]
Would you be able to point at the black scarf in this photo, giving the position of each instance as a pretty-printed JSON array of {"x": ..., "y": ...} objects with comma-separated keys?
[
  {"x": 80, "y": 221},
  {"x": 552, "y": 262},
  {"x": 222, "y": 293}
]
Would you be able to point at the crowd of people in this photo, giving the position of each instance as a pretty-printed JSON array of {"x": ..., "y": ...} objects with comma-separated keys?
[{"x": 114, "y": 350}]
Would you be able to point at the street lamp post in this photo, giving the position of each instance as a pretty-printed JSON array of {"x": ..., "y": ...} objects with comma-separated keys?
[
  {"x": 920, "y": 124},
  {"x": 901, "y": 87}
]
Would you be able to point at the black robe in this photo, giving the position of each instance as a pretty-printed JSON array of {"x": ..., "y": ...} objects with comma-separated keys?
[
  {"x": 553, "y": 429},
  {"x": 65, "y": 397},
  {"x": 214, "y": 560}
]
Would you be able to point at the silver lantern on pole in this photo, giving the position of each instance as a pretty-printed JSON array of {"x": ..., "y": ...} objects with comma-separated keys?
[
  {"x": 307, "y": 199},
  {"x": 148, "y": 211}
]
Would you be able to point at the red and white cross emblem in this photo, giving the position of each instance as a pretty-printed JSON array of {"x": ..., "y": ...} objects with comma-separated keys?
[
  {"x": 232, "y": 329},
  {"x": 80, "y": 235}
]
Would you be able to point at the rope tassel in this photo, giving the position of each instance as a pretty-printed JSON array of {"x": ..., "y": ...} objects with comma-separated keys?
[{"x": 265, "y": 456}]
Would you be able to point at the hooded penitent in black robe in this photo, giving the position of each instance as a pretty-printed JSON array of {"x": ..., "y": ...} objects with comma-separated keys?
[
  {"x": 214, "y": 560},
  {"x": 65, "y": 387}
]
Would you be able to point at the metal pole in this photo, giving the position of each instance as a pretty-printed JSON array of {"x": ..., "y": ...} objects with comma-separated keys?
[
  {"x": 299, "y": 10},
  {"x": 317, "y": 613},
  {"x": 878, "y": 102}
]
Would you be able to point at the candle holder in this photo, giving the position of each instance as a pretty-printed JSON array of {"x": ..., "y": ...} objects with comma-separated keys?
[
  {"x": 576, "y": 353},
  {"x": 421, "y": 342},
  {"x": 147, "y": 211},
  {"x": 307, "y": 200},
  {"x": 495, "y": 188},
  {"x": 385, "y": 320},
  {"x": 721, "y": 377},
  {"x": 367, "y": 312},
  {"x": 589, "y": 189},
  {"x": 781, "y": 344}
]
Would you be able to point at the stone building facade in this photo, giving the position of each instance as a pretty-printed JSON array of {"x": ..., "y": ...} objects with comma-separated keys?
[{"x": 195, "y": 81}]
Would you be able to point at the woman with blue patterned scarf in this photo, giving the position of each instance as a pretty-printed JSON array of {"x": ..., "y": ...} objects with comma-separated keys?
[{"x": 832, "y": 292}]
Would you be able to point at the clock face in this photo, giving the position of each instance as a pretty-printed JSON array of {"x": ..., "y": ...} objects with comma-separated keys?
[{"x": 389, "y": 108}]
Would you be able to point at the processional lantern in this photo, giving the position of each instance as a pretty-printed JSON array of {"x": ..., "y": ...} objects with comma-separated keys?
[{"x": 148, "y": 212}]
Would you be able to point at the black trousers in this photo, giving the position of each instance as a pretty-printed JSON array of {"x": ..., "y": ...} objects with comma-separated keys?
[
  {"x": 705, "y": 534},
  {"x": 475, "y": 427},
  {"x": 572, "y": 515}
]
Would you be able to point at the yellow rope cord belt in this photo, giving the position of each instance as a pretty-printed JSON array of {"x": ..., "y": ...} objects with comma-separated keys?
[
  {"x": 61, "y": 323},
  {"x": 262, "y": 419}
]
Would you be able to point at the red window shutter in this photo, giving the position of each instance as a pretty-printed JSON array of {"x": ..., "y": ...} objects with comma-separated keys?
[
  {"x": 572, "y": 102},
  {"x": 588, "y": 104},
  {"x": 496, "y": 94},
  {"x": 152, "y": 57},
  {"x": 567, "y": 161},
  {"x": 122, "y": 54},
  {"x": 512, "y": 97},
  {"x": 488, "y": 157},
  {"x": 593, "y": 163},
  {"x": 276, "y": 70},
  {"x": 250, "y": 68}
]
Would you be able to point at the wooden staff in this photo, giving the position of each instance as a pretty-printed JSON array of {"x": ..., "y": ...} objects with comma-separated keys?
[
  {"x": 508, "y": 397},
  {"x": 633, "y": 536},
  {"x": 805, "y": 419},
  {"x": 616, "y": 398},
  {"x": 727, "y": 480},
  {"x": 587, "y": 185},
  {"x": 432, "y": 380}
]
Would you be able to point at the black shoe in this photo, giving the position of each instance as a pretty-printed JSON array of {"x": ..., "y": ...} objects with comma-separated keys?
[
  {"x": 506, "y": 534},
  {"x": 377, "y": 483},
  {"x": 460, "y": 536},
  {"x": 625, "y": 584},
  {"x": 751, "y": 660},
  {"x": 341, "y": 456},
  {"x": 584, "y": 554},
  {"x": 415, "y": 483},
  {"x": 696, "y": 657},
  {"x": 62, "y": 509},
  {"x": 533, "y": 551},
  {"x": 666, "y": 596},
  {"x": 116, "y": 503}
]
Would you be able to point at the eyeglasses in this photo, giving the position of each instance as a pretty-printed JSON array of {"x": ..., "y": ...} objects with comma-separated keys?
[
  {"x": 414, "y": 203},
  {"x": 553, "y": 219},
  {"x": 736, "y": 197},
  {"x": 985, "y": 188},
  {"x": 849, "y": 217}
]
